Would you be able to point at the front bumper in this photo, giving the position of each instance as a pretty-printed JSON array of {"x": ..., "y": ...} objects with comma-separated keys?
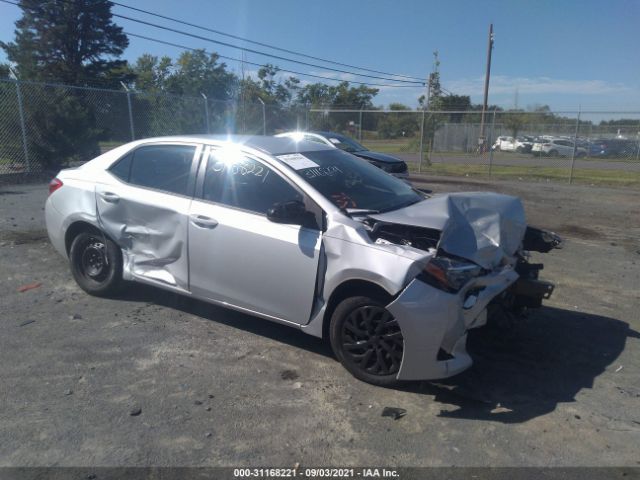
[{"x": 432, "y": 320}]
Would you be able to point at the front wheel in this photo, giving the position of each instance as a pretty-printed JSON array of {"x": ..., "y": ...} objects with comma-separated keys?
[
  {"x": 367, "y": 340},
  {"x": 96, "y": 263}
]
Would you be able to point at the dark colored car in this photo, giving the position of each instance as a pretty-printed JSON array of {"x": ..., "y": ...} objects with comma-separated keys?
[
  {"x": 615, "y": 147},
  {"x": 388, "y": 163}
]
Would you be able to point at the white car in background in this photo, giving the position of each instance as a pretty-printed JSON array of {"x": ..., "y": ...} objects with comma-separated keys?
[
  {"x": 521, "y": 144},
  {"x": 505, "y": 144},
  {"x": 557, "y": 147}
]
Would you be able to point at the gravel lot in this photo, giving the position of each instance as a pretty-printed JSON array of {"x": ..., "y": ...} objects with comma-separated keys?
[{"x": 216, "y": 387}]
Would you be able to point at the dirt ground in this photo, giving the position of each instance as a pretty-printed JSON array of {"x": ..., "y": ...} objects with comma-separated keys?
[{"x": 216, "y": 387}]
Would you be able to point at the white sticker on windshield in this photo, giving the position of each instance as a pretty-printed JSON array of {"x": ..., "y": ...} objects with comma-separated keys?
[
  {"x": 297, "y": 161},
  {"x": 334, "y": 140}
]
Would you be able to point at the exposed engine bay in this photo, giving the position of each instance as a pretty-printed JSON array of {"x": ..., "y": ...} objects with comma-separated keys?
[{"x": 526, "y": 293}]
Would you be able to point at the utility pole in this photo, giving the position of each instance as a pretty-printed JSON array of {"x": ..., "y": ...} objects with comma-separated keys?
[{"x": 481, "y": 140}]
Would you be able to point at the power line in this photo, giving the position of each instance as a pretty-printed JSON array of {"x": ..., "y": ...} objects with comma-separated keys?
[
  {"x": 184, "y": 47},
  {"x": 174, "y": 30},
  {"x": 411, "y": 84},
  {"x": 218, "y": 32},
  {"x": 257, "y": 52}
]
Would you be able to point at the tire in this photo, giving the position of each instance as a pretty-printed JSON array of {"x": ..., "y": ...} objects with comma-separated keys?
[
  {"x": 88, "y": 266},
  {"x": 367, "y": 340},
  {"x": 520, "y": 150},
  {"x": 553, "y": 153},
  {"x": 581, "y": 155}
]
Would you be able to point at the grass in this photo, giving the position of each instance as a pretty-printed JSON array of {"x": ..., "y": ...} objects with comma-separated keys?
[
  {"x": 404, "y": 145},
  {"x": 580, "y": 175},
  {"x": 105, "y": 146}
]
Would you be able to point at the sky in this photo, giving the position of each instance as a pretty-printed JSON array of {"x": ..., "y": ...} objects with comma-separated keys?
[{"x": 567, "y": 54}]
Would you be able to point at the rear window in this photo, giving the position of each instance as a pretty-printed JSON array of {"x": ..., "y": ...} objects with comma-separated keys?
[{"x": 161, "y": 167}]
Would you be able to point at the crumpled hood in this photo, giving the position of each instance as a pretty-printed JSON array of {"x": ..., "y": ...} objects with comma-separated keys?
[
  {"x": 482, "y": 227},
  {"x": 377, "y": 156}
]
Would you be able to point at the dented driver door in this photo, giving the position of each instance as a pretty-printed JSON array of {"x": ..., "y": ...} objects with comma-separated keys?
[
  {"x": 237, "y": 255},
  {"x": 144, "y": 210}
]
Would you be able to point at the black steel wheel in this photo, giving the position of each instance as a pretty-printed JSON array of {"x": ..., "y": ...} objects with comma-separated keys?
[
  {"x": 96, "y": 263},
  {"x": 367, "y": 340}
]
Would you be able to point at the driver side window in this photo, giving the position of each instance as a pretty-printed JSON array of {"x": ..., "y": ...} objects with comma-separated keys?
[{"x": 243, "y": 182}]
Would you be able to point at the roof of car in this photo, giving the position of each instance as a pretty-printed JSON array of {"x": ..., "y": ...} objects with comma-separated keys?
[{"x": 267, "y": 144}]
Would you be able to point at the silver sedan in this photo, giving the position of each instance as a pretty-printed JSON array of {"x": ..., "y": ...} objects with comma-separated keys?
[{"x": 305, "y": 235}]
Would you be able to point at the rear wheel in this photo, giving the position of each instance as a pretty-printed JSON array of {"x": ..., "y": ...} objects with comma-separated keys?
[
  {"x": 367, "y": 340},
  {"x": 553, "y": 153},
  {"x": 96, "y": 263}
]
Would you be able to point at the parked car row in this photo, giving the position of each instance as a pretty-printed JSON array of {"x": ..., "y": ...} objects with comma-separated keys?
[{"x": 556, "y": 146}]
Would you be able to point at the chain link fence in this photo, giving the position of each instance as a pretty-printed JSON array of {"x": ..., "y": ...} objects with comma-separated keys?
[
  {"x": 43, "y": 126},
  {"x": 584, "y": 147}
]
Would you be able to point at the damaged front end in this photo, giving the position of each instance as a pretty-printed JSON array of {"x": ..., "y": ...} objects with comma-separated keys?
[
  {"x": 528, "y": 291},
  {"x": 478, "y": 268}
]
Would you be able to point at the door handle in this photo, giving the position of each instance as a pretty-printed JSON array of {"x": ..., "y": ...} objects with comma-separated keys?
[
  {"x": 203, "y": 222},
  {"x": 109, "y": 197}
]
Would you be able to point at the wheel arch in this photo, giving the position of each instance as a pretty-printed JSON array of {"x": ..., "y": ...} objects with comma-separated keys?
[
  {"x": 75, "y": 229},
  {"x": 352, "y": 288}
]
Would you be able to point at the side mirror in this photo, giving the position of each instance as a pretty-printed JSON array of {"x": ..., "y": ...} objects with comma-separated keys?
[{"x": 291, "y": 212}]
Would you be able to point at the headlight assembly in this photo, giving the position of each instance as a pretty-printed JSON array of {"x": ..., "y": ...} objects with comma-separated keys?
[{"x": 449, "y": 274}]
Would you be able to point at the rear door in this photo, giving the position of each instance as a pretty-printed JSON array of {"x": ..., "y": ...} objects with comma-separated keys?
[
  {"x": 238, "y": 256},
  {"x": 145, "y": 211}
]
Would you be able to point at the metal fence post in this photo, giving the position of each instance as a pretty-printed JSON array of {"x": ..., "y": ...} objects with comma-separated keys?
[
  {"x": 133, "y": 133},
  {"x": 360, "y": 126},
  {"x": 264, "y": 117},
  {"x": 573, "y": 152},
  {"x": 490, "y": 142},
  {"x": 421, "y": 142},
  {"x": 206, "y": 111},
  {"x": 23, "y": 127}
]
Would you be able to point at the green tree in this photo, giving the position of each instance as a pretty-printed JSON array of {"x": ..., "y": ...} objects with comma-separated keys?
[
  {"x": 168, "y": 98},
  {"x": 71, "y": 42},
  {"x": 151, "y": 73},
  {"x": 199, "y": 72},
  {"x": 278, "y": 96},
  {"x": 514, "y": 120},
  {"x": 394, "y": 125},
  {"x": 75, "y": 43},
  {"x": 335, "y": 97}
]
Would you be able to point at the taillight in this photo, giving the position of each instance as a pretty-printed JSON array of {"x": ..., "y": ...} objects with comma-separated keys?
[{"x": 54, "y": 185}]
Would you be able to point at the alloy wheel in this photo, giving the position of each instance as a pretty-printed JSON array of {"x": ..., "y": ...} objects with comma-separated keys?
[{"x": 372, "y": 340}]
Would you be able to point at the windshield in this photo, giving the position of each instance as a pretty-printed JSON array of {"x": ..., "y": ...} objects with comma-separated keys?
[
  {"x": 345, "y": 143},
  {"x": 350, "y": 182}
]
